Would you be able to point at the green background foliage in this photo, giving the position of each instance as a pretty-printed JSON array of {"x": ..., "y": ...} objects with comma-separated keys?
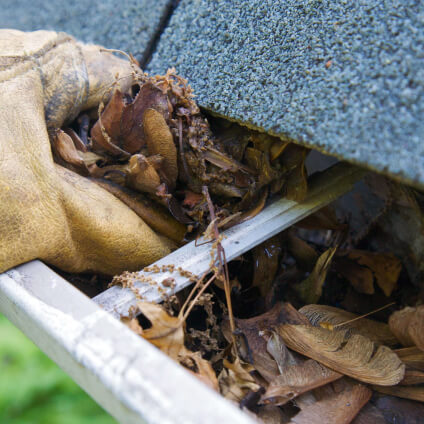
[{"x": 34, "y": 390}]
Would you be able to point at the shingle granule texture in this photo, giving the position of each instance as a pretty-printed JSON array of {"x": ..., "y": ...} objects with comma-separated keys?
[
  {"x": 120, "y": 24},
  {"x": 345, "y": 77}
]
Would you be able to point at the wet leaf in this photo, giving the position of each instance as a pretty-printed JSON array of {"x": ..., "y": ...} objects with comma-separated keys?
[
  {"x": 336, "y": 408},
  {"x": 408, "y": 326},
  {"x": 376, "y": 331},
  {"x": 297, "y": 379},
  {"x": 160, "y": 142},
  {"x": 310, "y": 289},
  {"x": 265, "y": 263},
  {"x": 355, "y": 356}
]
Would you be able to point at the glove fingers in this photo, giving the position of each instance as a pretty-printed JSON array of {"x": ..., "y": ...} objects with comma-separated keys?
[{"x": 106, "y": 235}]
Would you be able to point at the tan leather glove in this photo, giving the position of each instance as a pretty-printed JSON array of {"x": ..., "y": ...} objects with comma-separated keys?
[{"x": 46, "y": 211}]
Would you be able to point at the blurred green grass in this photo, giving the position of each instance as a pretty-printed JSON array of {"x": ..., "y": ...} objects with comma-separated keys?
[{"x": 34, "y": 390}]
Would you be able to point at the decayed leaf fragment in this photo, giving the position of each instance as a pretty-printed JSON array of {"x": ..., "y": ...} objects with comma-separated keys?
[
  {"x": 167, "y": 333},
  {"x": 408, "y": 326},
  {"x": 335, "y": 408},
  {"x": 235, "y": 380},
  {"x": 376, "y": 331},
  {"x": 354, "y": 356},
  {"x": 310, "y": 289},
  {"x": 297, "y": 379}
]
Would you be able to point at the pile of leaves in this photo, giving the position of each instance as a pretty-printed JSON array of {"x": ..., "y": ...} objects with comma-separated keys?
[
  {"x": 154, "y": 149},
  {"x": 302, "y": 350}
]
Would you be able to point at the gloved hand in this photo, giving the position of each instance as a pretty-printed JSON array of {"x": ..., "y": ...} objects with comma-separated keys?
[{"x": 46, "y": 211}]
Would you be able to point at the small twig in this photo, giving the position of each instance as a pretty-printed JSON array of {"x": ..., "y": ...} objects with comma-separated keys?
[
  {"x": 222, "y": 262},
  {"x": 363, "y": 316},
  {"x": 196, "y": 286}
]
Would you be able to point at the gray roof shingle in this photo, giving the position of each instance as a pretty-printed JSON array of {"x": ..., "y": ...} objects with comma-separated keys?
[{"x": 345, "y": 77}]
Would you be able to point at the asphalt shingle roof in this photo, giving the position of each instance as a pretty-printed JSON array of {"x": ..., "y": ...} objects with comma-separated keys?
[{"x": 345, "y": 77}]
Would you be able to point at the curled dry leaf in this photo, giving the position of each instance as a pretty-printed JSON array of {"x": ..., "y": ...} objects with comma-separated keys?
[
  {"x": 160, "y": 142},
  {"x": 64, "y": 147},
  {"x": 310, "y": 289},
  {"x": 336, "y": 408},
  {"x": 376, "y": 331},
  {"x": 167, "y": 334},
  {"x": 297, "y": 379},
  {"x": 142, "y": 175},
  {"x": 354, "y": 356},
  {"x": 235, "y": 380}
]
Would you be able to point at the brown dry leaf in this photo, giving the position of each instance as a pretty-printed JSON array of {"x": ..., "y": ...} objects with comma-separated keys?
[
  {"x": 265, "y": 263},
  {"x": 310, "y": 289},
  {"x": 64, "y": 147},
  {"x": 235, "y": 380},
  {"x": 376, "y": 331},
  {"x": 167, "y": 334},
  {"x": 270, "y": 414},
  {"x": 252, "y": 335},
  {"x": 408, "y": 326},
  {"x": 297, "y": 379},
  {"x": 142, "y": 175},
  {"x": 278, "y": 350},
  {"x": 132, "y": 131},
  {"x": 106, "y": 132},
  {"x": 337, "y": 408},
  {"x": 354, "y": 356},
  {"x": 160, "y": 142},
  {"x": 411, "y": 357},
  {"x": 361, "y": 278},
  {"x": 385, "y": 267},
  {"x": 405, "y": 392}
]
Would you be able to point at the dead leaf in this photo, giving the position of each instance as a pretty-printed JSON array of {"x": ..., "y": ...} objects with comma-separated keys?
[
  {"x": 64, "y": 147},
  {"x": 132, "y": 130},
  {"x": 376, "y": 331},
  {"x": 354, "y": 356},
  {"x": 405, "y": 392},
  {"x": 310, "y": 289},
  {"x": 324, "y": 219},
  {"x": 235, "y": 380},
  {"x": 265, "y": 263},
  {"x": 167, "y": 334},
  {"x": 361, "y": 278},
  {"x": 305, "y": 254},
  {"x": 142, "y": 175},
  {"x": 297, "y": 379},
  {"x": 160, "y": 142},
  {"x": 337, "y": 408},
  {"x": 270, "y": 414},
  {"x": 385, "y": 267},
  {"x": 408, "y": 326}
]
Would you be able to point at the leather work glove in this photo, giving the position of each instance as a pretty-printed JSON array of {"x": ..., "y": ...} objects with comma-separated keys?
[{"x": 46, "y": 211}]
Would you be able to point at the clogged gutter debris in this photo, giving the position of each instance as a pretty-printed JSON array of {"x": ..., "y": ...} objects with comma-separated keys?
[{"x": 287, "y": 330}]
